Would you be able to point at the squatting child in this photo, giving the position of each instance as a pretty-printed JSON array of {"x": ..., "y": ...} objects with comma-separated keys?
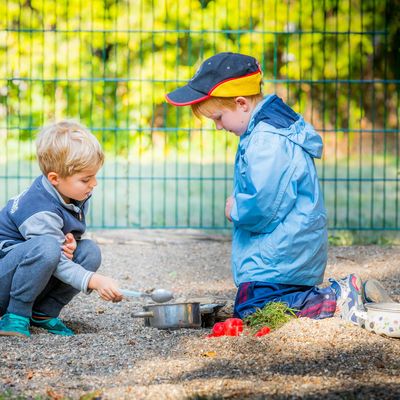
[
  {"x": 279, "y": 244},
  {"x": 44, "y": 262}
]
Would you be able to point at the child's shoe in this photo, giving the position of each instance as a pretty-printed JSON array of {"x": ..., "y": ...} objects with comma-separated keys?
[
  {"x": 374, "y": 292},
  {"x": 14, "y": 325},
  {"x": 349, "y": 297},
  {"x": 52, "y": 325}
]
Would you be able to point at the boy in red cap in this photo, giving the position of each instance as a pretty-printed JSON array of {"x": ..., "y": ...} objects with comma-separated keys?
[{"x": 279, "y": 244}]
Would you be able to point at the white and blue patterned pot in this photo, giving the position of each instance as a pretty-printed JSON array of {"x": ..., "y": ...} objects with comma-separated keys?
[{"x": 382, "y": 318}]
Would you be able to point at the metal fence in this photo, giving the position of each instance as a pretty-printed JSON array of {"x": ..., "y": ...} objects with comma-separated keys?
[{"x": 109, "y": 63}]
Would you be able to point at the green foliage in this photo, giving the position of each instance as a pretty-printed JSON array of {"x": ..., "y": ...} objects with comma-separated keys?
[
  {"x": 273, "y": 315},
  {"x": 110, "y": 63},
  {"x": 8, "y": 395},
  {"x": 354, "y": 238},
  {"x": 96, "y": 395}
]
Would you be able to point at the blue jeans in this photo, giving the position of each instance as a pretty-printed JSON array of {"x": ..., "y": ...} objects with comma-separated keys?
[{"x": 26, "y": 276}]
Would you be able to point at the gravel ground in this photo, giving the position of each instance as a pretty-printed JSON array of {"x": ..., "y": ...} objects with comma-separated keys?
[{"x": 113, "y": 356}]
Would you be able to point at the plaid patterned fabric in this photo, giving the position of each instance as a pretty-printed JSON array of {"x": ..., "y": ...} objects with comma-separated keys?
[{"x": 310, "y": 301}]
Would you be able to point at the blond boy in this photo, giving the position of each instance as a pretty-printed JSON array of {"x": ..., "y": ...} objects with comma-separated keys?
[{"x": 44, "y": 262}]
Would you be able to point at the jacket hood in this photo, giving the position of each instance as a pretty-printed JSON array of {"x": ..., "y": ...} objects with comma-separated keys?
[{"x": 286, "y": 122}]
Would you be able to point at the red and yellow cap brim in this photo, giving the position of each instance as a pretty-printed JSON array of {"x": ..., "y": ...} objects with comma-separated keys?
[{"x": 246, "y": 85}]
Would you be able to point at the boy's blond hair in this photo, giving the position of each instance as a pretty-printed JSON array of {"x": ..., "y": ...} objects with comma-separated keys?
[
  {"x": 67, "y": 148},
  {"x": 213, "y": 103}
]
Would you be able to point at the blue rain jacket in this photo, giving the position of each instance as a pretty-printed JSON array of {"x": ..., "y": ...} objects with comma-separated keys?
[{"x": 280, "y": 224}]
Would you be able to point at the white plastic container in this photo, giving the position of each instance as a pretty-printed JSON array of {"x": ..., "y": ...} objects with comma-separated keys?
[{"x": 382, "y": 318}]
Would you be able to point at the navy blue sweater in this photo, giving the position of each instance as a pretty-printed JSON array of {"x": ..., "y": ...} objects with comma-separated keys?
[{"x": 40, "y": 210}]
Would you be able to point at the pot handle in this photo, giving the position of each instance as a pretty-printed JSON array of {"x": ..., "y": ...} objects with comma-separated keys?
[{"x": 143, "y": 314}]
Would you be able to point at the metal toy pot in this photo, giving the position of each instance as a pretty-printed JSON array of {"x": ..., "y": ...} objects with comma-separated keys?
[{"x": 171, "y": 316}]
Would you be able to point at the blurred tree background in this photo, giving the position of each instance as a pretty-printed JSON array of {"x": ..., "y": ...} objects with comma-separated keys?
[{"x": 109, "y": 63}]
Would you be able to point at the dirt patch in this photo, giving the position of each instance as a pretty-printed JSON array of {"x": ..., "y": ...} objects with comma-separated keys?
[{"x": 114, "y": 357}]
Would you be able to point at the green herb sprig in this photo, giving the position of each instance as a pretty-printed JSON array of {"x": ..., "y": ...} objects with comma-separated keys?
[{"x": 273, "y": 315}]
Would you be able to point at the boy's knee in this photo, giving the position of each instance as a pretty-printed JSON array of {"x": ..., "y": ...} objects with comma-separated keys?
[
  {"x": 88, "y": 255},
  {"x": 48, "y": 249}
]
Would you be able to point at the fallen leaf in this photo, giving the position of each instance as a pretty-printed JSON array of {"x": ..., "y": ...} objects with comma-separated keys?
[
  {"x": 30, "y": 374},
  {"x": 54, "y": 395},
  {"x": 210, "y": 354}
]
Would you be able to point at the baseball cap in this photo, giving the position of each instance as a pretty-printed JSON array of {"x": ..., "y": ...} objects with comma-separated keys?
[{"x": 222, "y": 75}]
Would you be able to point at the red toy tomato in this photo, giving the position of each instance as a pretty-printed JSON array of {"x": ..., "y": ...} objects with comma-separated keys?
[
  {"x": 233, "y": 326},
  {"x": 263, "y": 331},
  {"x": 230, "y": 327},
  {"x": 218, "y": 329}
]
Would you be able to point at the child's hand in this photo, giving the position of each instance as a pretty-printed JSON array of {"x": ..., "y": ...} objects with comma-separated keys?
[
  {"x": 228, "y": 207},
  {"x": 106, "y": 287},
  {"x": 69, "y": 246}
]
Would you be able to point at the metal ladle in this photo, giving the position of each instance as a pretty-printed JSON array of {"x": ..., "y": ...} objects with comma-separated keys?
[{"x": 157, "y": 295}]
